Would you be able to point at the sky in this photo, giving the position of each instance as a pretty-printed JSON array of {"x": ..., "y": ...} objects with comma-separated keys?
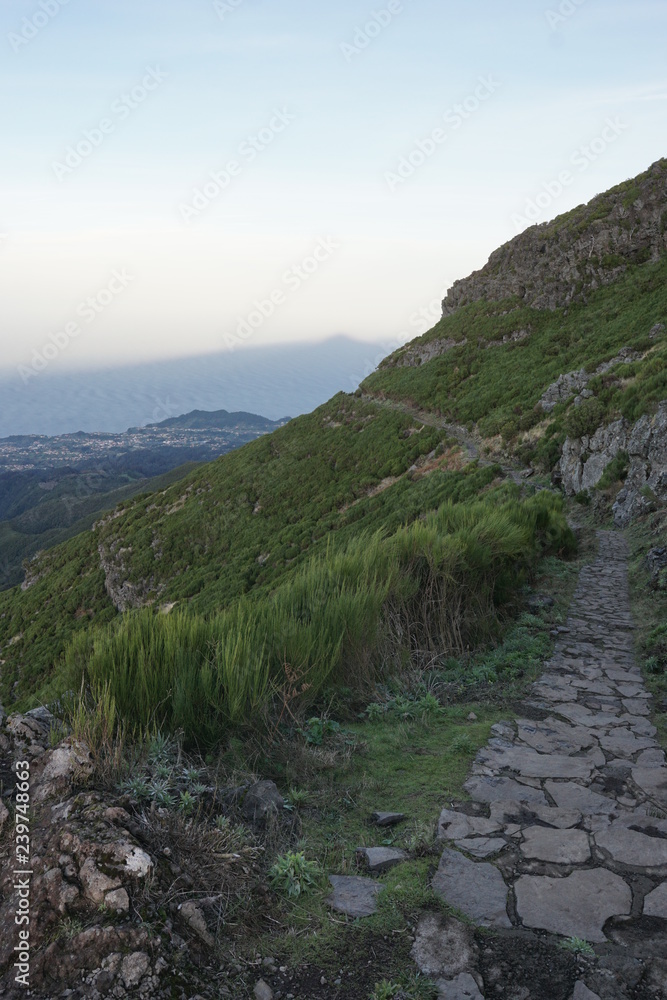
[{"x": 183, "y": 177}]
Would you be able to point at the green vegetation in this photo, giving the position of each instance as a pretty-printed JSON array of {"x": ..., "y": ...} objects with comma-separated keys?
[
  {"x": 497, "y": 387},
  {"x": 293, "y": 874},
  {"x": 34, "y": 519},
  {"x": 376, "y": 605}
]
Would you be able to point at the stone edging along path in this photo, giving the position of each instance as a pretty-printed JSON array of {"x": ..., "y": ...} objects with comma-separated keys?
[{"x": 566, "y": 826}]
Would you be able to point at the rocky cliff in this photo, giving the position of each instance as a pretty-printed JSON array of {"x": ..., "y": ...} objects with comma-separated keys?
[
  {"x": 557, "y": 263},
  {"x": 585, "y": 459}
]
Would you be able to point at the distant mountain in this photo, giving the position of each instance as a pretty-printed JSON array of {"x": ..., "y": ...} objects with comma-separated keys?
[{"x": 219, "y": 419}]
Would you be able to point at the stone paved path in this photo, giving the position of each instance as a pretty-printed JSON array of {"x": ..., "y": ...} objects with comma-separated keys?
[{"x": 566, "y": 831}]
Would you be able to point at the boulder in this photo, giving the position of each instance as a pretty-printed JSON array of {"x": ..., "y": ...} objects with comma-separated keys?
[{"x": 261, "y": 800}]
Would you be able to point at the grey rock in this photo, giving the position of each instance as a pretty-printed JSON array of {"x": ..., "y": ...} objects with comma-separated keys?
[
  {"x": 443, "y": 946},
  {"x": 262, "y": 991},
  {"x": 482, "y": 847},
  {"x": 582, "y": 992},
  {"x": 134, "y": 968},
  {"x": 531, "y": 764},
  {"x": 475, "y": 888},
  {"x": 563, "y": 847},
  {"x": 525, "y": 815},
  {"x": 463, "y": 987},
  {"x": 354, "y": 896},
  {"x": 262, "y": 799},
  {"x": 653, "y": 781},
  {"x": 387, "y": 818},
  {"x": 570, "y": 795},
  {"x": 576, "y": 906},
  {"x": 655, "y": 903},
  {"x": 455, "y": 826},
  {"x": 381, "y": 859},
  {"x": 485, "y": 788},
  {"x": 651, "y": 758},
  {"x": 633, "y": 847}
]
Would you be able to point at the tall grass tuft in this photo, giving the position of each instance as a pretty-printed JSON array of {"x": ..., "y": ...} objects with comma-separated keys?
[{"x": 435, "y": 585}]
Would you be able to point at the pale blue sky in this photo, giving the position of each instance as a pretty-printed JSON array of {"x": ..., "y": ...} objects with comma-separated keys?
[{"x": 353, "y": 115}]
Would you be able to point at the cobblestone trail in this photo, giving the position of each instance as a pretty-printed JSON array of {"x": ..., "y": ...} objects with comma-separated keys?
[{"x": 566, "y": 831}]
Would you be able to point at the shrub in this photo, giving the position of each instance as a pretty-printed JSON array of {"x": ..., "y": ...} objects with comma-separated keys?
[{"x": 293, "y": 875}]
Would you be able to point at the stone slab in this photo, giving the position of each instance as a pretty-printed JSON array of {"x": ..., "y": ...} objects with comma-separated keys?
[
  {"x": 655, "y": 903},
  {"x": 562, "y": 847},
  {"x": 623, "y": 743},
  {"x": 353, "y": 895},
  {"x": 576, "y": 906},
  {"x": 455, "y": 826},
  {"x": 570, "y": 795},
  {"x": 530, "y": 764},
  {"x": 651, "y": 758},
  {"x": 482, "y": 847},
  {"x": 525, "y": 815},
  {"x": 475, "y": 887},
  {"x": 381, "y": 859},
  {"x": 633, "y": 847},
  {"x": 653, "y": 781},
  {"x": 495, "y": 789},
  {"x": 635, "y": 707}
]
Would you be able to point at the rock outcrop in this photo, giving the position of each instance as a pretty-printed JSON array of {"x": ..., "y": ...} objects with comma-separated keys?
[
  {"x": 585, "y": 459},
  {"x": 575, "y": 383},
  {"x": 554, "y": 264}
]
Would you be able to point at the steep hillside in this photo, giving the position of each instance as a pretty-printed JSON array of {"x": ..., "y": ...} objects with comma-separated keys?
[{"x": 548, "y": 343}]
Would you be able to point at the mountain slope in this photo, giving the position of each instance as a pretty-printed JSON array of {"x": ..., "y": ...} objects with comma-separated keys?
[{"x": 258, "y": 523}]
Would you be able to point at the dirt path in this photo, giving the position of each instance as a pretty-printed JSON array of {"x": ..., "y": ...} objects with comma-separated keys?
[
  {"x": 566, "y": 831},
  {"x": 467, "y": 440}
]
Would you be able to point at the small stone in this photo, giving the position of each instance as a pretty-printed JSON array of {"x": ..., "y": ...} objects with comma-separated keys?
[
  {"x": 381, "y": 859},
  {"x": 476, "y": 888},
  {"x": 582, "y": 992},
  {"x": 472, "y": 717},
  {"x": 262, "y": 991},
  {"x": 195, "y": 919},
  {"x": 134, "y": 968},
  {"x": 4, "y": 815},
  {"x": 354, "y": 896},
  {"x": 387, "y": 818},
  {"x": 463, "y": 987},
  {"x": 454, "y": 825},
  {"x": 118, "y": 901}
]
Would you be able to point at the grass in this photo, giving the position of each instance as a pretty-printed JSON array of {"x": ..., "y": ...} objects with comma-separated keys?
[{"x": 349, "y": 617}]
